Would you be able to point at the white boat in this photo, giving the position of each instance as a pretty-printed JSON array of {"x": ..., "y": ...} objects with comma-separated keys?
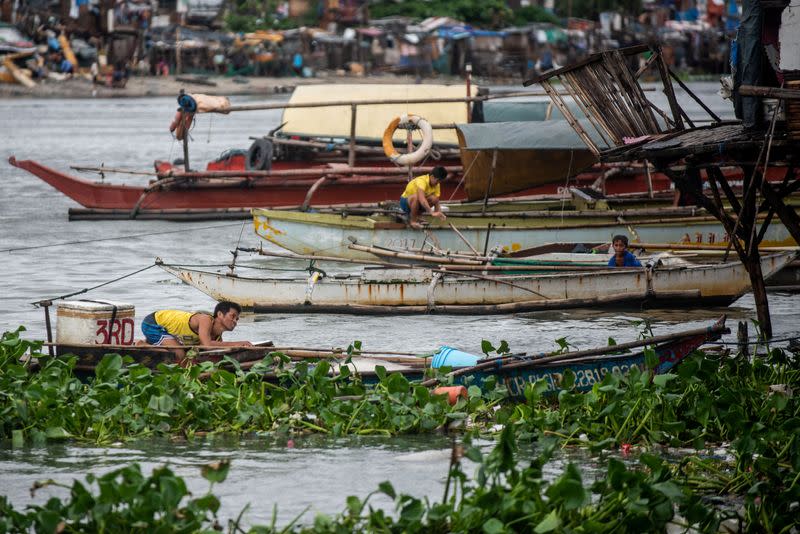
[
  {"x": 331, "y": 234},
  {"x": 423, "y": 290}
]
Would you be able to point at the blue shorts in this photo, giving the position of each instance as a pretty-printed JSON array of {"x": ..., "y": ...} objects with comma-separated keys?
[
  {"x": 153, "y": 332},
  {"x": 404, "y": 205}
]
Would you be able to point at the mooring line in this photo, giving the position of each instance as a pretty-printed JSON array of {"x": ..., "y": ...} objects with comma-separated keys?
[
  {"x": 16, "y": 249},
  {"x": 86, "y": 290}
]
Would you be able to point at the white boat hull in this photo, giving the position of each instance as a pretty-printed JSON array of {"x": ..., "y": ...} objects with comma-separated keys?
[
  {"x": 331, "y": 235},
  {"x": 417, "y": 290}
]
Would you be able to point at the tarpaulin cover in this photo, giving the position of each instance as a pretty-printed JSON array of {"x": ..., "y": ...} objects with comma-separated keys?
[{"x": 537, "y": 135}]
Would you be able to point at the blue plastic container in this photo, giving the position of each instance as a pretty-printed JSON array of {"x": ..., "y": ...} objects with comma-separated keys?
[{"x": 450, "y": 357}]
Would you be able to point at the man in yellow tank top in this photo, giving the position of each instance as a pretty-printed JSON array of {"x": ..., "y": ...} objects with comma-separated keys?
[
  {"x": 422, "y": 196},
  {"x": 175, "y": 328}
]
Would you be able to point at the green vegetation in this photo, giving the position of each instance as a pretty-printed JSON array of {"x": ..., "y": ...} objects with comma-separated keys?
[
  {"x": 482, "y": 13},
  {"x": 125, "y": 400},
  {"x": 750, "y": 408},
  {"x": 248, "y": 15},
  {"x": 505, "y": 497},
  {"x": 251, "y": 15}
]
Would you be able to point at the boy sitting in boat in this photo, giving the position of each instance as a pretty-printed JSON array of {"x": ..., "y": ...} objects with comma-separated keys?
[
  {"x": 175, "y": 328},
  {"x": 622, "y": 256},
  {"x": 422, "y": 193}
]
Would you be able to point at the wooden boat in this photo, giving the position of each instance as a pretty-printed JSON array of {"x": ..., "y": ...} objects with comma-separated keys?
[
  {"x": 514, "y": 372},
  {"x": 588, "y": 367},
  {"x": 331, "y": 234},
  {"x": 449, "y": 291},
  {"x": 285, "y": 185}
]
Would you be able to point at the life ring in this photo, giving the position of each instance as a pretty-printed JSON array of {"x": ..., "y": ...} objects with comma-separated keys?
[
  {"x": 422, "y": 150},
  {"x": 259, "y": 156}
]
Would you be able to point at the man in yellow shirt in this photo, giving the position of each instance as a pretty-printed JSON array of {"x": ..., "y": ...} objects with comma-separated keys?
[
  {"x": 175, "y": 328},
  {"x": 422, "y": 196}
]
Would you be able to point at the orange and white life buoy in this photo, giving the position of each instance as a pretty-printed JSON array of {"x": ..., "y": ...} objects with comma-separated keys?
[{"x": 422, "y": 150}]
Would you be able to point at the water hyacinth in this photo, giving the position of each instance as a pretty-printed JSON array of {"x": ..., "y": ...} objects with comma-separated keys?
[
  {"x": 504, "y": 497},
  {"x": 125, "y": 400},
  {"x": 710, "y": 399}
]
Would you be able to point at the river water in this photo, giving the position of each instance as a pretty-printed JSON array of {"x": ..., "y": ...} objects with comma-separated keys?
[{"x": 46, "y": 256}]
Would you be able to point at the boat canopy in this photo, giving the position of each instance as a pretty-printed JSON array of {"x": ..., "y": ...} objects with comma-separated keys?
[
  {"x": 524, "y": 135},
  {"x": 372, "y": 120},
  {"x": 537, "y": 110},
  {"x": 528, "y": 154}
]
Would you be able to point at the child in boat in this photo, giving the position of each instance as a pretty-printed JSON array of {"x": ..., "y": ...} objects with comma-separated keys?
[
  {"x": 622, "y": 257},
  {"x": 422, "y": 193},
  {"x": 175, "y": 328}
]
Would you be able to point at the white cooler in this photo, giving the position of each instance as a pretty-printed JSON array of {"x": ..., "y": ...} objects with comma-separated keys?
[{"x": 80, "y": 322}]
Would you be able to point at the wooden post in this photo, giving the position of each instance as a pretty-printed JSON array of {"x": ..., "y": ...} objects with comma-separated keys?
[
  {"x": 741, "y": 337},
  {"x": 178, "y": 50},
  {"x": 46, "y": 305},
  {"x": 489, "y": 184},
  {"x": 410, "y": 148},
  {"x": 753, "y": 264},
  {"x": 649, "y": 179},
  {"x": 468, "y": 69},
  {"x": 185, "y": 146},
  {"x": 351, "y": 154},
  {"x": 740, "y": 228}
]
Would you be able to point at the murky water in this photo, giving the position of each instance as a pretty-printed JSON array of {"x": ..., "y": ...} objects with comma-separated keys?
[{"x": 46, "y": 256}]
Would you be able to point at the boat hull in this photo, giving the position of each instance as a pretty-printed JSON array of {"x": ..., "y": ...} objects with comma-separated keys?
[
  {"x": 332, "y": 234},
  {"x": 515, "y": 374},
  {"x": 420, "y": 291},
  {"x": 208, "y": 194}
]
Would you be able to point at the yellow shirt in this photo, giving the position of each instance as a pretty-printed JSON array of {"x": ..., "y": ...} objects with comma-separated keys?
[
  {"x": 422, "y": 182},
  {"x": 177, "y": 324}
]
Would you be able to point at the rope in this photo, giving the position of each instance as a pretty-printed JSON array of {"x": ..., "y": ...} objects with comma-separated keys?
[
  {"x": 566, "y": 186},
  {"x": 463, "y": 177},
  {"x": 86, "y": 290},
  {"x": 118, "y": 237}
]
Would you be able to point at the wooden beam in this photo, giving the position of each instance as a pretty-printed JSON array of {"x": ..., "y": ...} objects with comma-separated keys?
[
  {"x": 787, "y": 215},
  {"x": 667, "y": 83},
  {"x": 769, "y": 92}
]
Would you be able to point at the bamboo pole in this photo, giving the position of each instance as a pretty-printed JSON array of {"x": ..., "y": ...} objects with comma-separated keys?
[
  {"x": 112, "y": 169},
  {"x": 291, "y": 349},
  {"x": 455, "y": 309},
  {"x": 464, "y": 239},
  {"x": 336, "y": 103},
  {"x": 351, "y": 153},
  {"x": 387, "y": 171},
  {"x": 411, "y": 255}
]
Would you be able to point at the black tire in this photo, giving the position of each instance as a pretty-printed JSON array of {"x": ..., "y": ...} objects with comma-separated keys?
[{"x": 259, "y": 156}]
